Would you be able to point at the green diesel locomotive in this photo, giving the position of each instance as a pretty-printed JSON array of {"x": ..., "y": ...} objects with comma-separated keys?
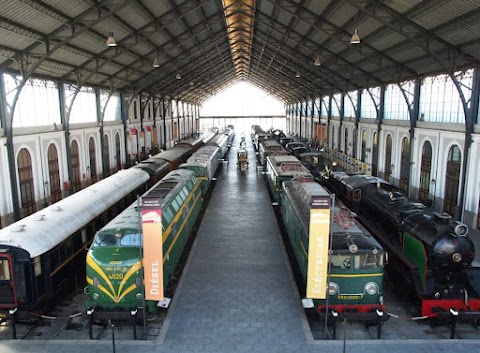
[
  {"x": 114, "y": 261},
  {"x": 356, "y": 260}
]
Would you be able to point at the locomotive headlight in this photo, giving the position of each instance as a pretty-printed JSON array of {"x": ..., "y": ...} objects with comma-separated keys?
[
  {"x": 371, "y": 288},
  {"x": 95, "y": 296},
  {"x": 333, "y": 288},
  {"x": 456, "y": 257},
  {"x": 139, "y": 296}
]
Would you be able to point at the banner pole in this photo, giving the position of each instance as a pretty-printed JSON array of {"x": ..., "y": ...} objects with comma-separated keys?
[
  {"x": 139, "y": 212},
  {"x": 332, "y": 215}
]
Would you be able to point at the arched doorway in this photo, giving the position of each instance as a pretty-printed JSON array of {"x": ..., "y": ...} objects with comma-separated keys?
[
  {"x": 388, "y": 167},
  {"x": 345, "y": 141},
  {"x": 92, "y": 157},
  {"x": 333, "y": 137},
  {"x": 54, "y": 175},
  {"x": 106, "y": 156},
  {"x": 117, "y": 151},
  {"x": 76, "y": 181},
  {"x": 404, "y": 165},
  {"x": 425, "y": 172},
  {"x": 375, "y": 154},
  {"x": 25, "y": 178},
  {"x": 364, "y": 146},
  {"x": 452, "y": 180},
  {"x": 354, "y": 143}
]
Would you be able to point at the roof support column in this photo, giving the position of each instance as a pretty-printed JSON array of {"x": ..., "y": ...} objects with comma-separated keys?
[
  {"x": 341, "y": 112},
  {"x": 471, "y": 113},
  {"x": 6, "y": 116},
  {"x": 65, "y": 118},
  {"x": 124, "y": 117}
]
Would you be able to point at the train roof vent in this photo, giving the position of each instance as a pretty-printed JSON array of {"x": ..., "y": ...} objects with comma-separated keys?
[
  {"x": 442, "y": 218},
  {"x": 458, "y": 229},
  {"x": 18, "y": 228}
]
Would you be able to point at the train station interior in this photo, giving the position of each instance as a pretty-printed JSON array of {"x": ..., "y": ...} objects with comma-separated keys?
[{"x": 91, "y": 89}]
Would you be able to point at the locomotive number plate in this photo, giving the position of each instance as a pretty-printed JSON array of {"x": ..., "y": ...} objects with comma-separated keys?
[{"x": 350, "y": 297}]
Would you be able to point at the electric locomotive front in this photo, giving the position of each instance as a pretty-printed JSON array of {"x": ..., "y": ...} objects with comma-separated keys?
[{"x": 356, "y": 259}]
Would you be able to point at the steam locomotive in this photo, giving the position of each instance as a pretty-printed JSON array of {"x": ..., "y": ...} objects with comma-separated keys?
[{"x": 430, "y": 254}]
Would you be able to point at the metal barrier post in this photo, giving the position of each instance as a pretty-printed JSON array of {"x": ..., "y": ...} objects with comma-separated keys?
[
  {"x": 113, "y": 333},
  {"x": 379, "y": 323},
  {"x": 90, "y": 322},
  {"x": 12, "y": 313},
  {"x": 133, "y": 317},
  {"x": 454, "y": 322}
]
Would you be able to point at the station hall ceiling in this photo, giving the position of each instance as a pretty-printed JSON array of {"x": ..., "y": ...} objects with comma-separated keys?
[{"x": 201, "y": 47}]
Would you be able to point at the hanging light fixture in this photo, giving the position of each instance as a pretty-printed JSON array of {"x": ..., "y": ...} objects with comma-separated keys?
[
  {"x": 111, "y": 42},
  {"x": 355, "y": 38},
  {"x": 156, "y": 63},
  {"x": 297, "y": 75},
  {"x": 317, "y": 62},
  {"x": 178, "y": 77}
]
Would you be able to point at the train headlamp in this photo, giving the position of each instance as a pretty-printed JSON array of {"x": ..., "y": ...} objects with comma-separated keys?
[
  {"x": 333, "y": 288},
  {"x": 353, "y": 248},
  {"x": 371, "y": 288},
  {"x": 457, "y": 257},
  {"x": 96, "y": 296},
  {"x": 139, "y": 296}
]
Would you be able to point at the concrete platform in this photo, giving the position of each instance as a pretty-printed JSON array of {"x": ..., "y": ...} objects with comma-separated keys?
[{"x": 237, "y": 293}]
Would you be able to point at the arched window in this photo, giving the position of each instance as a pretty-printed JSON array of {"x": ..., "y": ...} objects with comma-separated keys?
[
  {"x": 76, "y": 180},
  {"x": 345, "y": 141},
  {"x": 375, "y": 154},
  {"x": 106, "y": 156},
  {"x": 404, "y": 164},
  {"x": 25, "y": 178},
  {"x": 364, "y": 146},
  {"x": 118, "y": 156},
  {"x": 425, "y": 172},
  {"x": 54, "y": 175},
  {"x": 452, "y": 179},
  {"x": 388, "y": 167},
  {"x": 92, "y": 156}
]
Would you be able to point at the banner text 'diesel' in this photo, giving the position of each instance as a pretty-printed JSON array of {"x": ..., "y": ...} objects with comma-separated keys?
[{"x": 152, "y": 248}]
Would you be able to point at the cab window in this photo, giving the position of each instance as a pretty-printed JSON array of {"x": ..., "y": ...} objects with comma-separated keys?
[
  {"x": 131, "y": 240},
  {"x": 368, "y": 260},
  {"x": 340, "y": 261},
  {"x": 4, "y": 270}
]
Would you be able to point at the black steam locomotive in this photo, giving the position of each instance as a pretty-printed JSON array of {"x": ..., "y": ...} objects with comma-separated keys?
[{"x": 430, "y": 255}]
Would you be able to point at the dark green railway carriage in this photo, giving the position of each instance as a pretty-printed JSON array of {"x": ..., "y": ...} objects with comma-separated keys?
[
  {"x": 281, "y": 169},
  {"x": 114, "y": 262},
  {"x": 270, "y": 148},
  {"x": 356, "y": 259}
]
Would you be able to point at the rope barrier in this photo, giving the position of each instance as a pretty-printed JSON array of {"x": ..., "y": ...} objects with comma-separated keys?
[
  {"x": 412, "y": 318},
  {"x": 49, "y": 317}
]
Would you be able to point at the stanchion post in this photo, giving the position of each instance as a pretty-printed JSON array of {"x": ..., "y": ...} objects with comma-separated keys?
[{"x": 112, "y": 325}]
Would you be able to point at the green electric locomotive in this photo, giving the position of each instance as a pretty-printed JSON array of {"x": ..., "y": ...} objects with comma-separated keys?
[
  {"x": 356, "y": 260},
  {"x": 114, "y": 261}
]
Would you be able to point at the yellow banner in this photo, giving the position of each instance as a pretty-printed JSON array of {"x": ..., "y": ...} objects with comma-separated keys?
[
  {"x": 152, "y": 249},
  {"x": 318, "y": 248}
]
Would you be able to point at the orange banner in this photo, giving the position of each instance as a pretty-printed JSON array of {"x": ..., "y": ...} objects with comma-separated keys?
[
  {"x": 318, "y": 248},
  {"x": 152, "y": 248}
]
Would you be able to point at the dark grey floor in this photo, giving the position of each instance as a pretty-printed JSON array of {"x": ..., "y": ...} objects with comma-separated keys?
[{"x": 236, "y": 293}]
